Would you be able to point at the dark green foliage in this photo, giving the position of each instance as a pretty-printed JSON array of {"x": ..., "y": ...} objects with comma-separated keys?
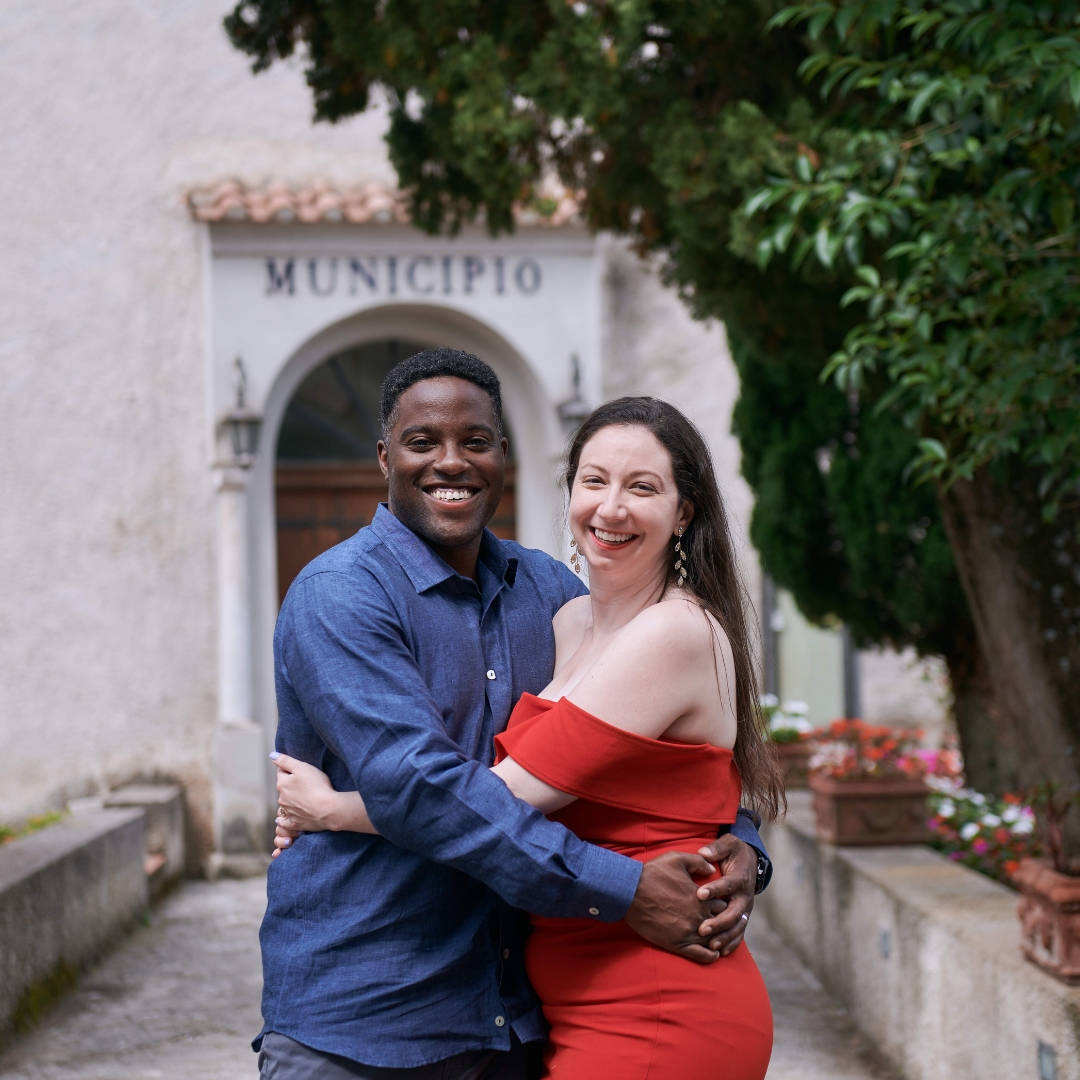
[
  {"x": 834, "y": 520},
  {"x": 945, "y": 186},
  {"x": 666, "y": 115}
]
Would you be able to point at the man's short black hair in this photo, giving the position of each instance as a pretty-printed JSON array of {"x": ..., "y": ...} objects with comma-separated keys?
[{"x": 438, "y": 364}]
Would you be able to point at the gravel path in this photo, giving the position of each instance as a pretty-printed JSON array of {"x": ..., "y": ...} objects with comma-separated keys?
[{"x": 179, "y": 1000}]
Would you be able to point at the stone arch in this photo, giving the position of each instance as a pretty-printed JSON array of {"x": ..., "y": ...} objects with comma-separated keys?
[{"x": 531, "y": 415}]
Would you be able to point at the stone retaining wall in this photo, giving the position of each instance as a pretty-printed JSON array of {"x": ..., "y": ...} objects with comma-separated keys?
[
  {"x": 924, "y": 953},
  {"x": 66, "y": 893}
]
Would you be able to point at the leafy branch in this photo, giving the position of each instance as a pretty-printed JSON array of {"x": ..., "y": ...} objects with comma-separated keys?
[{"x": 946, "y": 192}]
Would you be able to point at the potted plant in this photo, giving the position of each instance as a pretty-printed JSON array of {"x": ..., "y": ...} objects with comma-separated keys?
[
  {"x": 867, "y": 784},
  {"x": 989, "y": 833},
  {"x": 790, "y": 732},
  {"x": 1049, "y": 887}
]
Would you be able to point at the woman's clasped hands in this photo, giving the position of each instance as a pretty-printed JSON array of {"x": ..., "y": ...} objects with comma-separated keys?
[{"x": 307, "y": 802}]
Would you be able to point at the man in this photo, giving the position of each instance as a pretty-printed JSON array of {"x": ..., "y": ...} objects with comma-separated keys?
[{"x": 399, "y": 655}]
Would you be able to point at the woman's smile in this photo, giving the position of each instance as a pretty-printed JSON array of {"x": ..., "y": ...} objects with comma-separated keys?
[{"x": 609, "y": 539}]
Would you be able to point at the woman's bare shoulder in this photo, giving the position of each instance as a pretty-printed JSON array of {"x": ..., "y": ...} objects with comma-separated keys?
[
  {"x": 671, "y": 637},
  {"x": 651, "y": 673},
  {"x": 678, "y": 618}
]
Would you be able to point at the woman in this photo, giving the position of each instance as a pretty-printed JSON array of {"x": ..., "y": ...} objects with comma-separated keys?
[{"x": 644, "y": 742}]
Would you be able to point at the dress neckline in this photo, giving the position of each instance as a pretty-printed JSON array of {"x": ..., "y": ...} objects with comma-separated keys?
[{"x": 676, "y": 743}]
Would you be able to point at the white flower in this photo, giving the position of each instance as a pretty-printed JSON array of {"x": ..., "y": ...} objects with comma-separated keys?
[
  {"x": 1011, "y": 814},
  {"x": 947, "y": 808},
  {"x": 992, "y": 821},
  {"x": 769, "y": 701},
  {"x": 946, "y": 785},
  {"x": 969, "y": 831},
  {"x": 1023, "y": 827},
  {"x": 828, "y": 755},
  {"x": 977, "y": 799},
  {"x": 796, "y": 708},
  {"x": 784, "y": 722}
]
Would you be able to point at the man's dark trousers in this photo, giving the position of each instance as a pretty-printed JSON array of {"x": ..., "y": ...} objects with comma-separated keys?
[{"x": 282, "y": 1058}]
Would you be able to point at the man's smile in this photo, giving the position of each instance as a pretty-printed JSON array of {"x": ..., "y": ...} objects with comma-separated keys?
[{"x": 446, "y": 494}]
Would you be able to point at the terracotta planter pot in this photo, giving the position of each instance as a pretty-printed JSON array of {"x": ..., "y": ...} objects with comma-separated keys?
[
  {"x": 1049, "y": 913},
  {"x": 795, "y": 761},
  {"x": 889, "y": 810}
]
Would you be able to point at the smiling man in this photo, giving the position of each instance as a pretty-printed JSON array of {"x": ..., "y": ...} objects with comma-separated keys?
[{"x": 399, "y": 656}]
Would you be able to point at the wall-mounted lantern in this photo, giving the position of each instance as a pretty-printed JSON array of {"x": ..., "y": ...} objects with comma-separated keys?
[
  {"x": 573, "y": 411},
  {"x": 241, "y": 423}
]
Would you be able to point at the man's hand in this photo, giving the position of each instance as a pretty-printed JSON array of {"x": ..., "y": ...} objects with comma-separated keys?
[
  {"x": 668, "y": 909},
  {"x": 730, "y": 896}
]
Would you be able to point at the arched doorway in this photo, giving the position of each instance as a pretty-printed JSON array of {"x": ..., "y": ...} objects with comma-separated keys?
[{"x": 327, "y": 479}]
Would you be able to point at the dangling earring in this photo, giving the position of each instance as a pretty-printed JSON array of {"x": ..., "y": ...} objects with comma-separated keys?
[
  {"x": 680, "y": 559},
  {"x": 575, "y": 558}
]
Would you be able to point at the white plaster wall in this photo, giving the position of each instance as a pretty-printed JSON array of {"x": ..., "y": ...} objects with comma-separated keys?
[
  {"x": 905, "y": 690},
  {"x": 107, "y": 636}
]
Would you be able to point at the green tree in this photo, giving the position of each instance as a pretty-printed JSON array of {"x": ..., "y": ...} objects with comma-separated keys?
[
  {"x": 945, "y": 188},
  {"x": 667, "y": 116},
  {"x": 837, "y": 526}
]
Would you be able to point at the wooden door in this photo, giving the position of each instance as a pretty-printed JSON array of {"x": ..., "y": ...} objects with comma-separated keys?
[{"x": 322, "y": 504}]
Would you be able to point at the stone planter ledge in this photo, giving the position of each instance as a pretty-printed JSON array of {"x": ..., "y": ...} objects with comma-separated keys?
[{"x": 923, "y": 952}]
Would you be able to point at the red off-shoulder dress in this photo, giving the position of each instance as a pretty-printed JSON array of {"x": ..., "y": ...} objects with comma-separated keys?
[{"x": 619, "y": 1007}]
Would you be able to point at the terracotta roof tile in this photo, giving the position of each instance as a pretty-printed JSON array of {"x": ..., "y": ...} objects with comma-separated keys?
[{"x": 373, "y": 202}]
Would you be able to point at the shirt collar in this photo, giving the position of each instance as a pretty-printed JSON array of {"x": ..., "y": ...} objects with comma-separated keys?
[{"x": 422, "y": 566}]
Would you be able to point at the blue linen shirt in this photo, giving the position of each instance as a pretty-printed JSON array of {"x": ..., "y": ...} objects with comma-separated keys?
[{"x": 394, "y": 673}]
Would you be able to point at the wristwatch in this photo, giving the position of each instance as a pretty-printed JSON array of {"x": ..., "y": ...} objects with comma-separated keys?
[{"x": 762, "y": 870}]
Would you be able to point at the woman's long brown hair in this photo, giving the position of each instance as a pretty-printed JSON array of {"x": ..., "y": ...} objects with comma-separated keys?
[{"x": 711, "y": 573}]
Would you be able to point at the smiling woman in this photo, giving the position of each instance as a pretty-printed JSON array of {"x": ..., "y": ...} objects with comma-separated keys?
[{"x": 328, "y": 481}]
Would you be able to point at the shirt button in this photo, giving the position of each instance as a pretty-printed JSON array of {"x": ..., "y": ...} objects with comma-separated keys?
[
  {"x": 594, "y": 911},
  {"x": 499, "y": 1021},
  {"x": 506, "y": 954},
  {"x": 491, "y": 673}
]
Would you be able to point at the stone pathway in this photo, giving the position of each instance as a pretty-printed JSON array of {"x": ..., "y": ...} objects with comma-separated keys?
[
  {"x": 813, "y": 1039},
  {"x": 180, "y": 1001}
]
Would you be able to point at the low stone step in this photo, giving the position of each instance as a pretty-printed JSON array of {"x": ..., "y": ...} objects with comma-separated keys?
[{"x": 164, "y": 808}]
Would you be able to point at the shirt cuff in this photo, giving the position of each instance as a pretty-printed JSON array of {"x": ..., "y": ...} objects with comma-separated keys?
[
  {"x": 745, "y": 829},
  {"x": 606, "y": 887}
]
